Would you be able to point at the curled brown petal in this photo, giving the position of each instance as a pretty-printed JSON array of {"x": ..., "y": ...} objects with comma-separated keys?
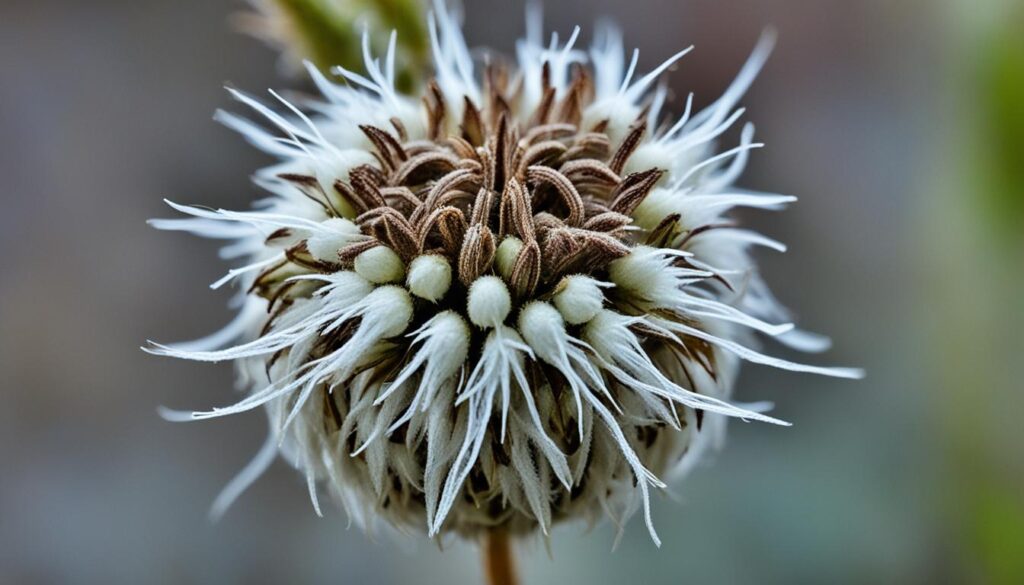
[
  {"x": 448, "y": 223},
  {"x": 590, "y": 169},
  {"x": 526, "y": 271},
  {"x": 549, "y": 132},
  {"x": 570, "y": 196},
  {"x": 627, "y": 147},
  {"x": 515, "y": 214},
  {"x": 453, "y": 180},
  {"x": 388, "y": 148},
  {"x": 427, "y": 163},
  {"x": 540, "y": 153},
  {"x": 472, "y": 123},
  {"x": 607, "y": 222},
  {"x": 633, "y": 189},
  {"x": 477, "y": 254}
]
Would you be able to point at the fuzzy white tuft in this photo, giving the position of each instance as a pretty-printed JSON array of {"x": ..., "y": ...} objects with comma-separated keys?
[
  {"x": 579, "y": 298},
  {"x": 339, "y": 233},
  {"x": 489, "y": 302},
  {"x": 444, "y": 343},
  {"x": 380, "y": 265},
  {"x": 430, "y": 277}
]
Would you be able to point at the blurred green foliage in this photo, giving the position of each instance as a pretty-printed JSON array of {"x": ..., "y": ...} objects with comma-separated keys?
[
  {"x": 329, "y": 32},
  {"x": 1000, "y": 166},
  {"x": 997, "y": 531},
  {"x": 982, "y": 360}
]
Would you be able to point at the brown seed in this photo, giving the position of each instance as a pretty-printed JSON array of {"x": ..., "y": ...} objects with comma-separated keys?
[
  {"x": 526, "y": 271},
  {"x": 477, "y": 254},
  {"x": 425, "y": 165},
  {"x": 446, "y": 227},
  {"x": 389, "y": 151},
  {"x": 634, "y": 189},
  {"x": 472, "y": 123},
  {"x": 628, "y": 146},
  {"x": 565, "y": 189}
]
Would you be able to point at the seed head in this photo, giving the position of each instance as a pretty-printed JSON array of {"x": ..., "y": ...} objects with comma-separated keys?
[{"x": 512, "y": 300}]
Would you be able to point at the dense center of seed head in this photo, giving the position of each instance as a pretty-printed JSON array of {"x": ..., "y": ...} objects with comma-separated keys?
[{"x": 526, "y": 201}]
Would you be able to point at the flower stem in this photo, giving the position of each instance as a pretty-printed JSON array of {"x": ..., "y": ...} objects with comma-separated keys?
[{"x": 499, "y": 565}]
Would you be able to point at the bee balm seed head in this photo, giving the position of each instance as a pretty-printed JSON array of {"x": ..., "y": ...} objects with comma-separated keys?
[{"x": 407, "y": 228}]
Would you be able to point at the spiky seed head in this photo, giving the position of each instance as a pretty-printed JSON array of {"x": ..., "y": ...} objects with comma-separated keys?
[{"x": 513, "y": 300}]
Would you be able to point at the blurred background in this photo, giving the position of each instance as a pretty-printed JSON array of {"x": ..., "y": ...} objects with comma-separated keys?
[{"x": 899, "y": 124}]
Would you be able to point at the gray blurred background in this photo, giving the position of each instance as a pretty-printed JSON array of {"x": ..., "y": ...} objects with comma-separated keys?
[{"x": 895, "y": 122}]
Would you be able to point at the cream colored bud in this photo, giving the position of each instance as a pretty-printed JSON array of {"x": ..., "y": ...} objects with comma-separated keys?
[
  {"x": 337, "y": 233},
  {"x": 430, "y": 276},
  {"x": 389, "y": 309},
  {"x": 659, "y": 204},
  {"x": 638, "y": 271},
  {"x": 579, "y": 298},
  {"x": 506, "y": 255},
  {"x": 543, "y": 328},
  {"x": 489, "y": 302},
  {"x": 380, "y": 265}
]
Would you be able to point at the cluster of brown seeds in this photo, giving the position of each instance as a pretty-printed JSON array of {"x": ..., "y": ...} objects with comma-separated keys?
[{"x": 556, "y": 187}]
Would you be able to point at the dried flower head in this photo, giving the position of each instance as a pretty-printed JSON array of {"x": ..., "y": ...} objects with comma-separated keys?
[{"x": 511, "y": 301}]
